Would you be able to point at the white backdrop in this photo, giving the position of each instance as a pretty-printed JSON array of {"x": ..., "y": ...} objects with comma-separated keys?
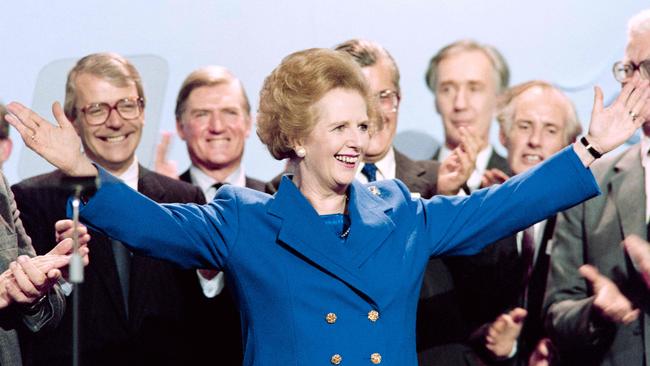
[{"x": 569, "y": 43}]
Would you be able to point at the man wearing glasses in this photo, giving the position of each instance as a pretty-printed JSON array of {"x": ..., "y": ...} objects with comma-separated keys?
[
  {"x": 437, "y": 321},
  {"x": 466, "y": 78},
  {"x": 133, "y": 309},
  {"x": 597, "y": 306}
]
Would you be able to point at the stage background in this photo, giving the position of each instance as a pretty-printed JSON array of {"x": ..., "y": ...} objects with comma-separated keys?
[{"x": 570, "y": 43}]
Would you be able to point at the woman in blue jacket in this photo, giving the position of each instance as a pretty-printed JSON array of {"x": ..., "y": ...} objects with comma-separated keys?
[{"x": 328, "y": 270}]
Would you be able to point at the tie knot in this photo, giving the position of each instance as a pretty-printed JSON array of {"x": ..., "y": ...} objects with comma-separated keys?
[
  {"x": 218, "y": 185},
  {"x": 370, "y": 171}
]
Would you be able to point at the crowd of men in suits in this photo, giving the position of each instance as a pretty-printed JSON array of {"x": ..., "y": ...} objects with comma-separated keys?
[{"x": 560, "y": 292}]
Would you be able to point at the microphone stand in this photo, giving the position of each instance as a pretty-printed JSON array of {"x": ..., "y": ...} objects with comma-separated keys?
[{"x": 76, "y": 269}]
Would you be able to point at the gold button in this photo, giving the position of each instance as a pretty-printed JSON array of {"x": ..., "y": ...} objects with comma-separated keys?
[
  {"x": 336, "y": 359},
  {"x": 375, "y": 358},
  {"x": 373, "y": 315},
  {"x": 330, "y": 318}
]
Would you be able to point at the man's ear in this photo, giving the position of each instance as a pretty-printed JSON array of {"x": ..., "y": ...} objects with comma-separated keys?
[
  {"x": 502, "y": 137},
  {"x": 6, "y": 145},
  {"x": 179, "y": 129}
]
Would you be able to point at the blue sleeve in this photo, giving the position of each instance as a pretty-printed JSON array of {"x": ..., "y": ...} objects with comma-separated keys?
[
  {"x": 464, "y": 225},
  {"x": 190, "y": 235}
]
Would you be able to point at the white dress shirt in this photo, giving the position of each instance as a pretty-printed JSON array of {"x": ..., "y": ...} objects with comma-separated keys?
[
  {"x": 385, "y": 167},
  {"x": 130, "y": 178},
  {"x": 213, "y": 287}
]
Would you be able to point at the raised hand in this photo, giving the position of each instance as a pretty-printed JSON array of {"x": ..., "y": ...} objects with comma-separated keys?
[
  {"x": 161, "y": 164},
  {"x": 456, "y": 169},
  {"x": 504, "y": 331},
  {"x": 612, "y": 126},
  {"x": 59, "y": 144},
  {"x": 493, "y": 176},
  {"x": 639, "y": 251},
  {"x": 609, "y": 302}
]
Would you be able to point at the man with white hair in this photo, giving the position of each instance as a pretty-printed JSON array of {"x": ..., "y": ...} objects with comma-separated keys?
[{"x": 597, "y": 305}]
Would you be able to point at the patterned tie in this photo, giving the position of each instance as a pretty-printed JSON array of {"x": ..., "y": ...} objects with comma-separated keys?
[{"x": 370, "y": 171}]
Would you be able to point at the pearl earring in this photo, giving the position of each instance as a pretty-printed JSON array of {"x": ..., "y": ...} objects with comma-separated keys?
[{"x": 301, "y": 152}]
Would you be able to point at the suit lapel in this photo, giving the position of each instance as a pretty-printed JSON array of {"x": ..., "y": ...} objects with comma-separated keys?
[
  {"x": 409, "y": 173},
  {"x": 628, "y": 196},
  {"x": 303, "y": 230}
]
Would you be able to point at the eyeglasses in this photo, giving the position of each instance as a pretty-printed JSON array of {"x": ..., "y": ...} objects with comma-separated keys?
[
  {"x": 388, "y": 100},
  {"x": 127, "y": 108},
  {"x": 623, "y": 71}
]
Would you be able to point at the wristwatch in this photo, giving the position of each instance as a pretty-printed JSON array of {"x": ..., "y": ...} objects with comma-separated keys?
[{"x": 595, "y": 153}]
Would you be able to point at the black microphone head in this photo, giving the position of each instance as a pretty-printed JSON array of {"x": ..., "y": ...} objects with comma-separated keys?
[{"x": 86, "y": 185}]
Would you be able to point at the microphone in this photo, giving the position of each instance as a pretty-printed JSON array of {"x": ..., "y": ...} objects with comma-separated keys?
[{"x": 85, "y": 185}]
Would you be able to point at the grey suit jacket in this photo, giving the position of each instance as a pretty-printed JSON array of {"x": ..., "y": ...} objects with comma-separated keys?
[
  {"x": 592, "y": 233},
  {"x": 13, "y": 243}
]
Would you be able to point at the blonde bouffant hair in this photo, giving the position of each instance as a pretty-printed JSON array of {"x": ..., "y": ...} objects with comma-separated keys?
[{"x": 286, "y": 114}]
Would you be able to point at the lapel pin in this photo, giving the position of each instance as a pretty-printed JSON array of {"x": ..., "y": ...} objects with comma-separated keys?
[{"x": 374, "y": 190}]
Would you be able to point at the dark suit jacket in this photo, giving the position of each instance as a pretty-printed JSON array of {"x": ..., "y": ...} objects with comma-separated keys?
[
  {"x": 219, "y": 314},
  {"x": 289, "y": 269},
  {"x": 156, "y": 330},
  {"x": 251, "y": 183},
  {"x": 14, "y": 242},
  {"x": 591, "y": 233},
  {"x": 496, "y": 276}
]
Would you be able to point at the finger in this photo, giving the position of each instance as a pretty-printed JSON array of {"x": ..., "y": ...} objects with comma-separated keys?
[
  {"x": 85, "y": 239},
  {"x": 631, "y": 316},
  {"x": 25, "y": 116},
  {"x": 22, "y": 281},
  {"x": 35, "y": 275},
  {"x": 163, "y": 147},
  {"x": 16, "y": 294},
  {"x": 64, "y": 247},
  {"x": 598, "y": 99},
  {"x": 499, "y": 175},
  {"x": 63, "y": 225},
  {"x": 628, "y": 88},
  {"x": 25, "y": 132},
  {"x": 637, "y": 248},
  {"x": 60, "y": 116},
  {"x": 636, "y": 110},
  {"x": 518, "y": 315},
  {"x": 591, "y": 274}
]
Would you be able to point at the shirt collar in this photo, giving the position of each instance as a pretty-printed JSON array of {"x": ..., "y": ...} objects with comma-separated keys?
[
  {"x": 205, "y": 182},
  {"x": 385, "y": 167},
  {"x": 130, "y": 175}
]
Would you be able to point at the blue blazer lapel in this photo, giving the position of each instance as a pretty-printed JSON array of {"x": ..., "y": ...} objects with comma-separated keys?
[
  {"x": 370, "y": 224},
  {"x": 304, "y": 231}
]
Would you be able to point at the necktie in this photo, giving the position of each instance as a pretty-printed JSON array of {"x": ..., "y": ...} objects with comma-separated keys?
[
  {"x": 123, "y": 263},
  {"x": 210, "y": 194},
  {"x": 527, "y": 256},
  {"x": 528, "y": 249},
  {"x": 370, "y": 171}
]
